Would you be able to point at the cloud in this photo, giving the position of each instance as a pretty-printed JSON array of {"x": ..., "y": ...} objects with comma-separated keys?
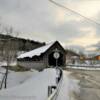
[
  {"x": 42, "y": 20},
  {"x": 96, "y": 45},
  {"x": 76, "y": 48},
  {"x": 68, "y": 30}
]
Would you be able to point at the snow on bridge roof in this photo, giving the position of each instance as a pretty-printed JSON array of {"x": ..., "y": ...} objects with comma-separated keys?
[{"x": 36, "y": 52}]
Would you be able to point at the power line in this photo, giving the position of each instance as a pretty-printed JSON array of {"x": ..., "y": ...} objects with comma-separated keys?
[{"x": 73, "y": 11}]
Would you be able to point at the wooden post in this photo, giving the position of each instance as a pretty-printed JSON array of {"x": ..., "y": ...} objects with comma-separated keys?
[{"x": 49, "y": 91}]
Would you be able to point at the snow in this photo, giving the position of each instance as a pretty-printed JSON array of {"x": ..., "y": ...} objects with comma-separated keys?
[
  {"x": 4, "y": 63},
  {"x": 68, "y": 86},
  {"x": 84, "y": 68},
  {"x": 85, "y": 65},
  {"x": 2, "y": 72},
  {"x": 36, "y": 87},
  {"x": 16, "y": 78},
  {"x": 36, "y": 52}
]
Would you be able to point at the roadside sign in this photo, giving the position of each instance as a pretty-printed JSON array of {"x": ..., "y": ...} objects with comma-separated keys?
[{"x": 56, "y": 55}]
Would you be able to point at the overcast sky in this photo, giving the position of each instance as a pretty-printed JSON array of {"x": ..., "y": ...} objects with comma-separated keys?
[{"x": 43, "y": 21}]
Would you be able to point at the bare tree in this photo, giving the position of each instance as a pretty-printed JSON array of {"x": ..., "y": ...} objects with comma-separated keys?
[{"x": 9, "y": 50}]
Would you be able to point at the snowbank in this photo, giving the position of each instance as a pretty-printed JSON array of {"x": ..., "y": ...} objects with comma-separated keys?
[
  {"x": 16, "y": 78},
  {"x": 84, "y": 68},
  {"x": 35, "y": 87},
  {"x": 68, "y": 87}
]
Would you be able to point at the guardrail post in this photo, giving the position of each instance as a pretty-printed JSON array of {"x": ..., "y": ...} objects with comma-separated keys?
[
  {"x": 59, "y": 76},
  {"x": 49, "y": 91}
]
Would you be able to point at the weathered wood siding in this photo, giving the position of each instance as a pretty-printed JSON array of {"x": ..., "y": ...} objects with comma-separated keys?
[{"x": 38, "y": 65}]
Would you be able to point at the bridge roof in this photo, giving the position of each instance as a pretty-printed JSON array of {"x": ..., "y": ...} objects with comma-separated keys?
[{"x": 36, "y": 52}]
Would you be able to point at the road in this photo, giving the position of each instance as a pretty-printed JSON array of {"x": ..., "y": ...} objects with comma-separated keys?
[{"x": 89, "y": 82}]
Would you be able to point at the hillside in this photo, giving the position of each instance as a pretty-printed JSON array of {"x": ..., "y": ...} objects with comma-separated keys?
[{"x": 25, "y": 44}]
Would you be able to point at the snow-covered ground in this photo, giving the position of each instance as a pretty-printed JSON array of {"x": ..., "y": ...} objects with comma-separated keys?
[
  {"x": 69, "y": 86},
  {"x": 83, "y": 68},
  {"x": 16, "y": 78},
  {"x": 34, "y": 86},
  {"x": 84, "y": 65},
  {"x": 4, "y": 63}
]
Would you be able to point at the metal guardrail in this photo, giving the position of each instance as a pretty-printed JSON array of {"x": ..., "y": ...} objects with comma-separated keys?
[
  {"x": 55, "y": 93},
  {"x": 52, "y": 96}
]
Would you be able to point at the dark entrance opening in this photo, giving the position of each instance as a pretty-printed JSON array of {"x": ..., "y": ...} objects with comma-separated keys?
[{"x": 52, "y": 60}]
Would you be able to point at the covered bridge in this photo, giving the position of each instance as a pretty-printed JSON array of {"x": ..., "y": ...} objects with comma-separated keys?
[{"x": 50, "y": 55}]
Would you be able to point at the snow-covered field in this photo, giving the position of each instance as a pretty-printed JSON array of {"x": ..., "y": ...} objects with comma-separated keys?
[{"x": 34, "y": 85}]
